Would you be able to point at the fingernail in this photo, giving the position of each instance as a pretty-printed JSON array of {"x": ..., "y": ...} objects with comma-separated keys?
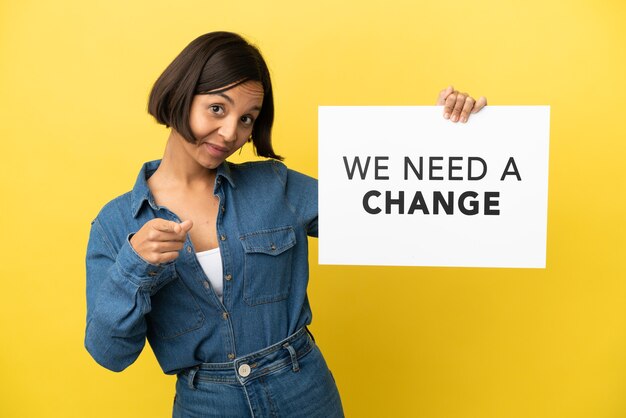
[
  {"x": 446, "y": 116},
  {"x": 464, "y": 119},
  {"x": 454, "y": 118}
]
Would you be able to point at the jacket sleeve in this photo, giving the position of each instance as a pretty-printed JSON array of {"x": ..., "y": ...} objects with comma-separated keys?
[
  {"x": 301, "y": 193},
  {"x": 119, "y": 284}
]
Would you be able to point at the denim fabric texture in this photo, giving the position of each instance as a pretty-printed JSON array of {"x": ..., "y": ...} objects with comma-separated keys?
[{"x": 266, "y": 213}]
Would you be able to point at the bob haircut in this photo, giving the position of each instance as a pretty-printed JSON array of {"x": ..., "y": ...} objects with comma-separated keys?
[{"x": 215, "y": 62}]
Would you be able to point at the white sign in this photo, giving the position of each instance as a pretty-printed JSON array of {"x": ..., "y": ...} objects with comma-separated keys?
[{"x": 404, "y": 186}]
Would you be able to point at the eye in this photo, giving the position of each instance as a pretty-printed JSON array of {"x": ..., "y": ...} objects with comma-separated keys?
[
  {"x": 217, "y": 109},
  {"x": 247, "y": 120}
]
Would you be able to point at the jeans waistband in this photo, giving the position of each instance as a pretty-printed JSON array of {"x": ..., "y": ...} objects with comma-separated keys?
[{"x": 256, "y": 364}]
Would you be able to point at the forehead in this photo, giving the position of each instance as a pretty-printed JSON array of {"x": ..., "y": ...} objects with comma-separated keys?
[{"x": 247, "y": 89}]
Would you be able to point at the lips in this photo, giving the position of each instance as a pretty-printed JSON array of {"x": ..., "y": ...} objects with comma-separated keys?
[{"x": 216, "y": 149}]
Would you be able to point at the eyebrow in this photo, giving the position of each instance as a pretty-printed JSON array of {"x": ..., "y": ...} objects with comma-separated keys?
[
  {"x": 231, "y": 101},
  {"x": 224, "y": 95}
]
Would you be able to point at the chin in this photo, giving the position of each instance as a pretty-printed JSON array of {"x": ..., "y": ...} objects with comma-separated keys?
[
  {"x": 211, "y": 166},
  {"x": 209, "y": 163}
]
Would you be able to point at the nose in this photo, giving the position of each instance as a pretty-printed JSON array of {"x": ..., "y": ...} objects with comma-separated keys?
[{"x": 228, "y": 129}]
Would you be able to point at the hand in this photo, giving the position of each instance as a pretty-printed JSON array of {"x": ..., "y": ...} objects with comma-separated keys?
[
  {"x": 159, "y": 240},
  {"x": 457, "y": 105}
]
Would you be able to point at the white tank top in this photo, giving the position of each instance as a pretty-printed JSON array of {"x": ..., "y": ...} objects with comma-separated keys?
[{"x": 211, "y": 263}]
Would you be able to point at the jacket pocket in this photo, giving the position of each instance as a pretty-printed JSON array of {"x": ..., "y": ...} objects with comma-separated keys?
[
  {"x": 267, "y": 264},
  {"x": 174, "y": 311}
]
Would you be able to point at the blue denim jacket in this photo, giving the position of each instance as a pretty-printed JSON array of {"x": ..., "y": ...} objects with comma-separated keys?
[{"x": 266, "y": 212}]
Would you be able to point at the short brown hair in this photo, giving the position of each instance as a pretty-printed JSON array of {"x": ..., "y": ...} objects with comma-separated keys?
[{"x": 213, "y": 61}]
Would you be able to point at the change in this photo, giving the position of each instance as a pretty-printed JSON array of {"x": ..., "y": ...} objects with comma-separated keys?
[{"x": 468, "y": 203}]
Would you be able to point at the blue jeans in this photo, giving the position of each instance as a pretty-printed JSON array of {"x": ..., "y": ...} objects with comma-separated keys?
[{"x": 287, "y": 379}]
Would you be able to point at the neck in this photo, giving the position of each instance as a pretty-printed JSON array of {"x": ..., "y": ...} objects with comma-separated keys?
[{"x": 177, "y": 168}]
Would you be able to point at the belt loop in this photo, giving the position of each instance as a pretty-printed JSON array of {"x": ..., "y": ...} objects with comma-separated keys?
[
  {"x": 191, "y": 377},
  {"x": 294, "y": 359}
]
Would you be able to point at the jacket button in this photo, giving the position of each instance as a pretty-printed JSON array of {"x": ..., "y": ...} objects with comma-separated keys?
[
  {"x": 231, "y": 356},
  {"x": 228, "y": 277},
  {"x": 223, "y": 237},
  {"x": 225, "y": 315},
  {"x": 152, "y": 273},
  {"x": 222, "y": 208},
  {"x": 205, "y": 284},
  {"x": 188, "y": 249},
  {"x": 244, "y": 370}
]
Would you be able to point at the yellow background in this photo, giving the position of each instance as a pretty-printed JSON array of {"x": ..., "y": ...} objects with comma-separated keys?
[{"x": 402, "y": 342}]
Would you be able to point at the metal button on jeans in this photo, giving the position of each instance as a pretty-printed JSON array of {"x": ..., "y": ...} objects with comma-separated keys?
[{"x": 244, "y": 370}]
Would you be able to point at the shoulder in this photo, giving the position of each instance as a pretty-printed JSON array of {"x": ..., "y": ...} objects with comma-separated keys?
[
  {"x": 125, "y": 207},
  {"x": 268, "y": 170},
  {"x": 115, "y": 221},
  {"x": 115, "y": 209},
  {"x": 258, "y": 168}
]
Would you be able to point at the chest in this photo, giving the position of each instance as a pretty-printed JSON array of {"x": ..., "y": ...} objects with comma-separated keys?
[{"x": 201, "y": 209}]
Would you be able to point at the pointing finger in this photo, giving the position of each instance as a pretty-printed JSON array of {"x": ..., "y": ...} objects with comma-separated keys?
[
  {"x": 166, "y": 226},
  {"x": 186, "y": 225}
]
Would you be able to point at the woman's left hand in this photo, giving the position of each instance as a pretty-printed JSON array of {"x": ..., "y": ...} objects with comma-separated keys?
[{"x": 458, "y": 106}]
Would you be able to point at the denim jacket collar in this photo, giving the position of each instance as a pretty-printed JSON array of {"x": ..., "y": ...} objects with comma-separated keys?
[
  {"x": 224, "y": 171},
  {"x": 141, "y": 191}
]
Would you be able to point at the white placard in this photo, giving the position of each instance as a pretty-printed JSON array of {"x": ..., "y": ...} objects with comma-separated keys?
[{"x": 401, "y": 185}]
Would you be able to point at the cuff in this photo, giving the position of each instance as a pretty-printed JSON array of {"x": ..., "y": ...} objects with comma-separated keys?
[{"x": 140, "y": 271}]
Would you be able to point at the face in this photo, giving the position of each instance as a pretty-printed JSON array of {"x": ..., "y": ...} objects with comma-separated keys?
[{"x": 222, "y": 122}]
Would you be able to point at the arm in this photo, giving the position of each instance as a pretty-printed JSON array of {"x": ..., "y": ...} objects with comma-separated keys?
[
  {"x": 302, "y": 192},
  {"x": 300, "y": 196},
  {"x": 118, "y": 298}
]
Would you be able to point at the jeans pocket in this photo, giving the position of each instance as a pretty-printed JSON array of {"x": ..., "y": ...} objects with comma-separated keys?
[
  {"x": 267, "y": 264},
  {"x": 174, "y": 311}
]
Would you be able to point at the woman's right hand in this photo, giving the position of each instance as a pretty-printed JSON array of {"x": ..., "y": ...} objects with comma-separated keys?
[{"x": 159, "y": 240}]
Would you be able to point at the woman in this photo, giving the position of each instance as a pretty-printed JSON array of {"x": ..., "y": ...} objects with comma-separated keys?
[{"x": 207, "y": 259}]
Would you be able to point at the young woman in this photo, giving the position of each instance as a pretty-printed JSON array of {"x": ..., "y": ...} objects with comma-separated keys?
[{"x": 208, "y": 259}]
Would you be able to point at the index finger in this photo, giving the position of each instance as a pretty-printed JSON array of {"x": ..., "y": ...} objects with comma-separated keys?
[
  {"x": 167, "y": 226},
  {"x": 443, "y": 94}
]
